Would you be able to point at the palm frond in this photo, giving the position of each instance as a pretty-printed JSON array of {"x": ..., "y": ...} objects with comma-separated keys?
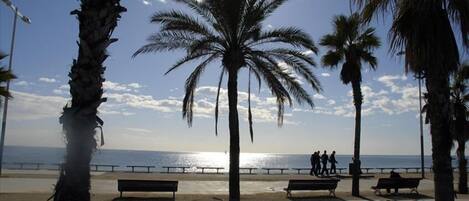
[
  {"x": 459, "y": 13},
  {"x": 290, "y": 36},
  {"x": 251, "y": 132},
  {"x": 220, "y": 80},
  {"x": 190, "y": 86}
]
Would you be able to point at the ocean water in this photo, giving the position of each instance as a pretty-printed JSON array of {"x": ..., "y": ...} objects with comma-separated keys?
[{"x": 123, "y": 158}]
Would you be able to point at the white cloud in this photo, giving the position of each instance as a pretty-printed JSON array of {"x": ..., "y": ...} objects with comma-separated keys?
[
  {"x": 47, "y": 80},
  {"x": 29, "y": 106},
  {"x": 139, "y": 130},
  {"x": 114, "y": 86},
  {"x": 269, "y": 26},
  {"x": 395, "y": 98},
  {"x": 147, "y": 2},
  {"x": 22, "y": 83},
  {"x": 308, "y": 52},
  {"x": 325, "y": 74},
  {"x": 319, "y": 96},
  {"x": 135, "y": 85},
  {"x": 390, "y": 81}
]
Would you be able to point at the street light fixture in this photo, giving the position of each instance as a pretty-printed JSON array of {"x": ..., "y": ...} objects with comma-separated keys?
[
  {"x": 5, "y": 104},
  {"x": 419, "y": 77}
]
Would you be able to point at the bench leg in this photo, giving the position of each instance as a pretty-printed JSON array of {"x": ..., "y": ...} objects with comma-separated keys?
[
  {"x": 289, "y": 194},
  {"x": 120, "y": 194},
  {"x": 332, "y": 192},
  {"x": 377, "y": 192},
  {"x": 174, "y": 195}
]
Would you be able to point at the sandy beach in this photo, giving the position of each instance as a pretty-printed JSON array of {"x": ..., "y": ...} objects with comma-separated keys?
[{"x": 23, "y": 185}]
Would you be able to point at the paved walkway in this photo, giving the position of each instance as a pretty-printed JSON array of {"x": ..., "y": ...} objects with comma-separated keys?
[{"x": 45, "y": 185}]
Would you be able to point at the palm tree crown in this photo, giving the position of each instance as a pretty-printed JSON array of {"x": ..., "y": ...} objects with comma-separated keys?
[
  {"x": 352, "y": 43},
  {"x": 5, "y": 76},
  {"x": 419, "y": 28},
  {"x": 460, "y": 98},
  {"x": 231, "y": 31}
]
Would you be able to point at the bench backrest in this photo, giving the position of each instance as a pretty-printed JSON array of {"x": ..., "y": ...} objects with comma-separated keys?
[
  {"x": 147, "y": 185},
  {"x": 320, "y": 184},
  {"x": 409, "y": 182},
  {"x": 398, "y": 183}
]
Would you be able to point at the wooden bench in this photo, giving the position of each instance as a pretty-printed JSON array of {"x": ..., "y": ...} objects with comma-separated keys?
[
  {"x": 367, "y": 169},
  {"x": 269, "y": 169},
  {"x": 96, "y": 167},
  {"x": 176, "y": 167},
  {"x": 411, "y": 168},
  {"x": 341, "y": 169},
  {"x": 210, "y": 168},
  {"x": 29, "y": 166},
  {"x": 147, "y": 186},
  {"x": 248, "y": 168},
  {"x": 393, "y": 183},
  {"x": 141, "y": 166},
  {"x": 310, "y": 185},
  {"x": 300, "y": 169}
]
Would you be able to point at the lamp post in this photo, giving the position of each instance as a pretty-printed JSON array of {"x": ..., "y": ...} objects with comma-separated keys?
[
  {"x": 25, "y": 19},
  {"x": 419, "y": 77}
]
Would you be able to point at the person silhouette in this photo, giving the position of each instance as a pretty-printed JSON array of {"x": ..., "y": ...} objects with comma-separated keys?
[
  {"x": 333, "y": 161},
  {"x": 324, "y": 159},
  {"x": 394, "y": 175},
  {"x": 313, "y": 164},
  {"x": 317, "y": 158}
]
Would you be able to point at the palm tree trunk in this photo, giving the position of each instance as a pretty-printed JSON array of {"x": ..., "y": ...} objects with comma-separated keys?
[
  {"x": 438, "y": 100},
  {"x": 97, "y": 19},
  {"x": 462, "y": 185},
  {"x": 358, "y": 100},
  {"x": 234, "y": 135}
]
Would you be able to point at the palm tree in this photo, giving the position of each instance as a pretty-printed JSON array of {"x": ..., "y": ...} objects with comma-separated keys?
[
  {"x": 459, "y": 98},
  {"x": 97, "y": 19},
  {"x": 425, "y": 31},
  {"x": 5, "y": 76},
  {"x": 351, "y": 44},
  {"x": 231, "y": 31}
]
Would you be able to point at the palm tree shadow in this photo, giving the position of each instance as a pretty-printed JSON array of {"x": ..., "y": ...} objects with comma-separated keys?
[
  {"x": 142, "y": 199},
  {"x": 315, "y": 198},
  {"x": 406, "y": 196}
]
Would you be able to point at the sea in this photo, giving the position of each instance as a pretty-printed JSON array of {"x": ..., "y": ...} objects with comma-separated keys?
[{"x": 124, "y": 158}]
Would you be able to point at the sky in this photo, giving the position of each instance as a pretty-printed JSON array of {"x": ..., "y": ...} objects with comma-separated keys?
[{"x": 143, "y": 111}]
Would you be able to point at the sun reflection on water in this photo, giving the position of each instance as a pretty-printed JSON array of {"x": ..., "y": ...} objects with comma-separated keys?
[{"x": 220, "y": 159}]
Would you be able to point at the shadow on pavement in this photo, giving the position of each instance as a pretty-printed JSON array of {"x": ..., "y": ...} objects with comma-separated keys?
[
  {"x": 407, "y": 196},
  {"x": 315, "y": 198},
  {"x": 143, "y": 199}
]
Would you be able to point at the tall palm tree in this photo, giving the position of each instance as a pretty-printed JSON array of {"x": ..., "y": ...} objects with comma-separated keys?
[
  {"x": 459, "y": 99},
  {"x": 425, "y": 31},
  {"x": 231, "y": 31},
  {"x": 5, "y": 76},
  {"x": 97, "y": 19},
  {"x": 352, "y": 43}
]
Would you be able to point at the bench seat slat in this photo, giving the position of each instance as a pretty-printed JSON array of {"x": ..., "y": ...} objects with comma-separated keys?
[
  {"x": 147, "y": 186},
  {"x": 301, "y": 185}
]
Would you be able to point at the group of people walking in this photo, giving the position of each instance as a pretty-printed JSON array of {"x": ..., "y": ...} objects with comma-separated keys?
[{"x": 317, "y": 160}]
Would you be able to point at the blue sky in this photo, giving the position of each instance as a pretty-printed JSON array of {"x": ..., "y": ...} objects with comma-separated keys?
[{"x": 144, "y": 107}]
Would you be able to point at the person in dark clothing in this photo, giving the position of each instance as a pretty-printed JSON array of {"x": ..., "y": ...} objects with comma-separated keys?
[
  {"x": 394, "y": 175},
  {"x": 333, "y": 162},
  {"x": 313, "y": 164},
  {"x": 324, "y": 159},
  {"x": 318, "y": 163}
]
